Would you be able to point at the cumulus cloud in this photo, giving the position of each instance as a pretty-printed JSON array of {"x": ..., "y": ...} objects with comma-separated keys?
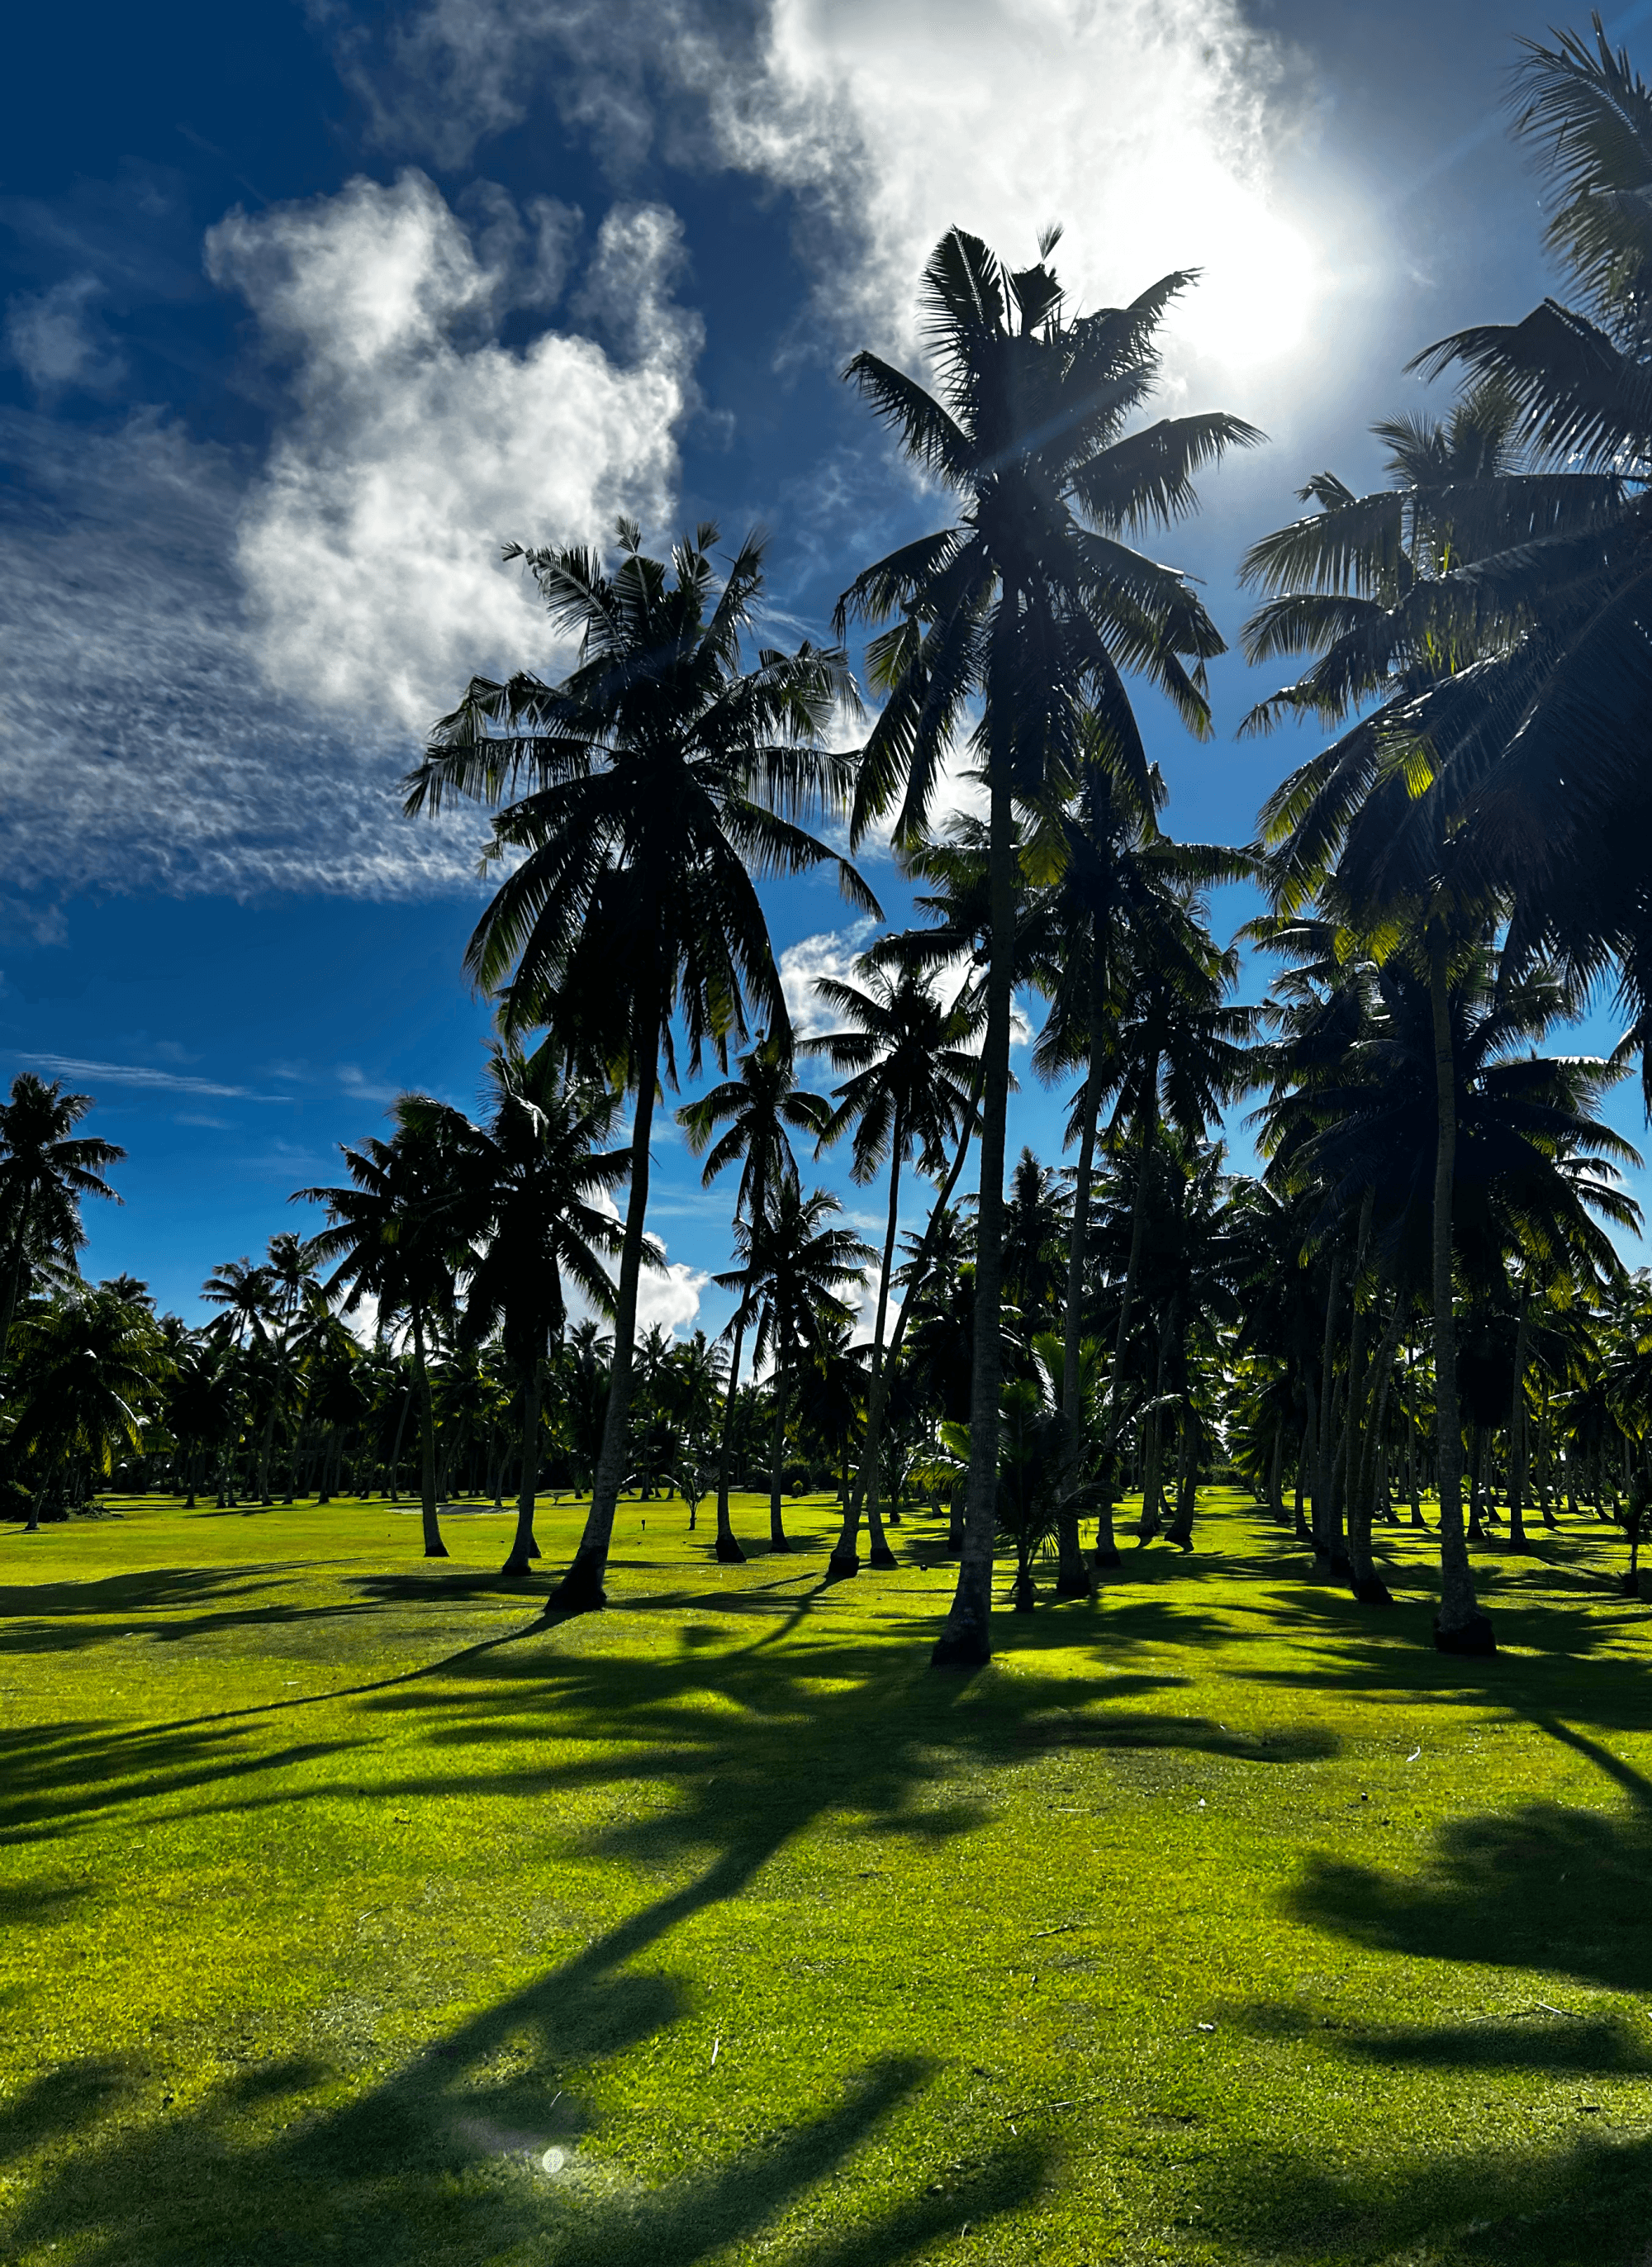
[
  {"x": 832, "y": 953},
  {"x": 1152, "y": 128},
  {"x": 369, "y": 547}
]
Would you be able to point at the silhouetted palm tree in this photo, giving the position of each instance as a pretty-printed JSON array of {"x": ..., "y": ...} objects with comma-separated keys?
[
  {"x": 909, "y": 1091},
  {"x": 758, "y": 1110},
  {"x": 793, "y": 1267},
  {"x": 45, "y": 1168},
  {"x": 651, "y": 787},
  {"x": 539, "y": 1169},
  {"x": 399, "y": 1237},
  {"x": 1031, "y": 604}
]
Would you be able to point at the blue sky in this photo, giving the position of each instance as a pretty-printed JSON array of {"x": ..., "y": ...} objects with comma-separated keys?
[{"x": 307, "y": 309}]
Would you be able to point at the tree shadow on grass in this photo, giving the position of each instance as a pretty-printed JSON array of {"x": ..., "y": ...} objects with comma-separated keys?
[
  {"x": 478, "y": 2150},
  {"x": 1581, "y": 2202}
]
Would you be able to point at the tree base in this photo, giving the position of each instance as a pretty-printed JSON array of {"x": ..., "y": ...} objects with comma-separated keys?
[
  {"x": 580, "y": 1590},
  {"x": 516, "y": 1568},
  {"x": 1371, "y": 1590},
  {"x": 880, "y": 1555},
  {"x": 841, "y": 1565},
  {"x": 1334, "y": 1566},
  {"x": 729, "y": 1552},
  {"x": 1104, "y": 1557},
  {"x": 436, "y": 1551},
  {"x": 1630, "y": 1585},
  {"x": 1073, "y": 1585},
  {"x": 779, "y": 1543},
  {"x": 961, "y": 1649},
  {"x": 1474, "y": 1638}
]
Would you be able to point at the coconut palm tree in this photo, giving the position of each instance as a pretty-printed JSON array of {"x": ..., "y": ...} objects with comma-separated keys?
[
  {"x": 1032, "y": 604},
  {"x": 1125, "y": 892},
  {"x": 757, "y": 1111},
  {"x": 398, "y": 1237},
  {"x": 649, "y": 788},
  {"x": 539, "y": 1171},
  {"x": 907, "y": 1088},
  {"x": 794, "y": 1264},
  {"x": 246, "y": 1294},
  {"x": 46, "y": 1169},
  {"x": 89, "y": 1370}
]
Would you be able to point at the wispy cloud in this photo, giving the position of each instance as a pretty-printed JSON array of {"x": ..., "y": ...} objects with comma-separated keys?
[
  {"x": 215, "y": 673},
  {"x": 138, "y": 1075}
]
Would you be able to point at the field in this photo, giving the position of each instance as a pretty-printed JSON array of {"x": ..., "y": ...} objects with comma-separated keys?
[{"x": 351, "y": 1911}]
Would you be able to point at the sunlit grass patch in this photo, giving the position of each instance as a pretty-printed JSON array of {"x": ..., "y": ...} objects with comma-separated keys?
[{"x": 352, "y": 1911}]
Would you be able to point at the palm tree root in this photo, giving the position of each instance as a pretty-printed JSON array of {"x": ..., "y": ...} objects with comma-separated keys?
[
  {"x": 841, "y": 1565},
  {"x": 962, "y": 1646},
  {"x": 1371, "y": 1590},
  {"x": 729, "y": 1552},
  {"x": 1072, "y": 1582},
  {"x": 1473, "y": 1637},
  {"x": 880, "y": 1555},
  {"x": 580, "y": 1590}
]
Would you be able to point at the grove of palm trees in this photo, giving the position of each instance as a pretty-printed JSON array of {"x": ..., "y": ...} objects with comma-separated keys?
[{"x": 1104, "y": 1714}]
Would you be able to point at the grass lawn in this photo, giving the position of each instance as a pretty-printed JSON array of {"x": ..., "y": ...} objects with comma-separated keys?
[{"x": 347, "y": 1911}]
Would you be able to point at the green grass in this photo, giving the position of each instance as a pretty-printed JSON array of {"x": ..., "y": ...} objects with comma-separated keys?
[{"x": 347, "y": 1911}]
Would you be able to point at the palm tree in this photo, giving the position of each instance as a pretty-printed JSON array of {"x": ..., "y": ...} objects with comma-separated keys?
[
  {"x": 908, "y": 1088},
  {"x": 89, "y": 1370},
  {"x": 758, "y": 1110},
  {"x": 539, "y": 1170},
  {"x": 246, "y": 1293},
  {"x": 1031, "y": 604},
  {"x": 398, "y": 1235},
  {"x": 290, "y": 1269},
  {"x": 45, "y": 1168},
  {"x": 650, "y": 787},
  {"x": 793, "y": 1266},
  {"x": 1125, "y": 892}
]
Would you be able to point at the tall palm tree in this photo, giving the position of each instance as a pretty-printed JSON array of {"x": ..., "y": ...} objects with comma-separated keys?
[
  {"x": 794, "y": 1264},
  {"x": 539, "y": 1170},
  {"x": 649, "y": 788},
  {"x": 757, "y": 1111},
  {"x": 45, "y": 1168},
  {"x": 398, "y": 1237},
  {"x": 906, "y": 1089},
  {"x": 1031, "y": 605}
]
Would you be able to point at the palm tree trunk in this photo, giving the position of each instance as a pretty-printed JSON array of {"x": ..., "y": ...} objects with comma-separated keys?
[
  {"x": 1305, "y": 1454},
  {"x": 1518, "y": 1456},
  {"x": 1368, "y": 1585},
  {"x": 434, "y": 1547},
  {"x": 1107, "y": 1550},
  {"x": 966, "y": 1637},
  {"x": 1275, "y": 1499},
  {"x": 777, "y": 1524},
  {"x": 524, "y": 1550},
  {"x": 1323, "y": 1483},
  {"x": 728, "y": 1551},
  {"x": 1180, "y": 1529},
  {"x": 845, "y": 1559},
  {"x": 580, "y": 1588},
  {"x": 852, "y": 1511},
  {"x": 1460, "y": 1626},
  {"x": 1148, "y": 1526},
  {"x": 14, "y": 1273},
  {"x": 1073, "y": 1578}
]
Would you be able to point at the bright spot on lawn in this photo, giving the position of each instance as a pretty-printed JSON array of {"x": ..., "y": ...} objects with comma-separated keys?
[{"x": 553, "y": 2161}]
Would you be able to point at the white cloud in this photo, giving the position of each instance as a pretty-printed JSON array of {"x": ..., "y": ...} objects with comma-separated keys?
[
  {"x": 672, "y": 1298},
  {"x": 213, "y": 685},
  {"x": 369, "y": 547},
  {"x": 54, "y": 338},
  {"x": 1154, "y": 129},
  {"x": 832, "y": 953},
  {"x": 138, "y": 1075}
]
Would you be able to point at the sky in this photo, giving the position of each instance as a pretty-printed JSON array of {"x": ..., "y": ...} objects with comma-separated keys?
[{"x": 305, "y": 310}]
